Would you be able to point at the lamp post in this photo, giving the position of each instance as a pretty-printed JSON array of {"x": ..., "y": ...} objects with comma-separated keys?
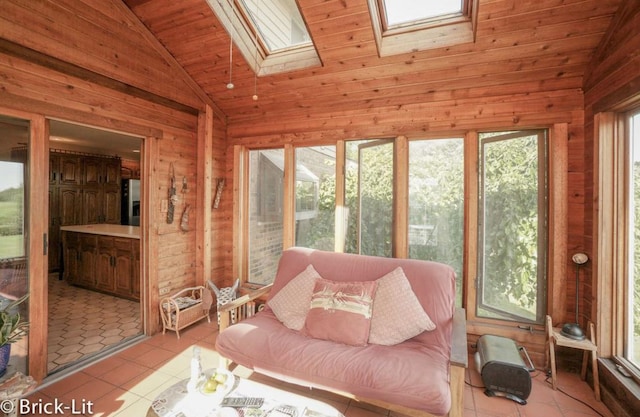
[{"x": 573, "y": 330}]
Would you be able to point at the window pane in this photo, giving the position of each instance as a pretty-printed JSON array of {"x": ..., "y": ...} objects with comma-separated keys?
[
  {"x": 436, "y": 203},
  {"x": 404, "y": 11},
  {"x": 279, "y": 23},
  {"x": 633, "y": 290},
  {"x": 14, "y": 282},
  {"x": 369, "y": 197},
  {"x": 315, "y": 197},
  {"x": 512, "y": 234},
  {"x": 266, "y": 169}
]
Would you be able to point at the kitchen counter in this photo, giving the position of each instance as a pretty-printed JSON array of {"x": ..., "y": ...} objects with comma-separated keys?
[{"x": 117, "y": 230}]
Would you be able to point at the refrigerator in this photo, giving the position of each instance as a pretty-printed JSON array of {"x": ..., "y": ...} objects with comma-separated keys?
[{"x": 130, "y": 211}]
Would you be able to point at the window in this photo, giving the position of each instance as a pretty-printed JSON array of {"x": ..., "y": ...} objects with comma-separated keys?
[
  {"x": 271, "y": 35},
  {"x": 14, "y": 215},
  {"x": 398, "y": 12},
  {"x": 315, "y": 197},
  {"x": 369, "y": 197},
  {"x": 265, "y": 214},
  {"x": 632, "y": 307},
  {"x": 436, "y": 203},
  {"x": 512, "y": 223},
  {"x": 278, "y": 22},
  {"x": 402, "y": 26},
  {"x": 616, "y": 259},
  {"x": 409, "y": 198}
]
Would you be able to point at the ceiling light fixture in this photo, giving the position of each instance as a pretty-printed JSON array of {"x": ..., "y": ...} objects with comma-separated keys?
[
  {"x": 255, "y": 41},
  {"x": 230, "y": 83}
]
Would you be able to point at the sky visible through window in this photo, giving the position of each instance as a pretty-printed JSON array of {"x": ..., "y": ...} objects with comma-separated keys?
[{"x": 404, "y": 11}]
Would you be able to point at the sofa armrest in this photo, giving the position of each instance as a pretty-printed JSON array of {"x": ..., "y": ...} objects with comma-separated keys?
[
  {"x": 242, "y": 306},
  {"x": 459, "y": 353},
  {"x": 459, "y": 361}
]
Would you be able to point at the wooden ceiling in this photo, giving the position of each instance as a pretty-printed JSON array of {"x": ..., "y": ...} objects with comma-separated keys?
[{"x": 522, "y": 46}]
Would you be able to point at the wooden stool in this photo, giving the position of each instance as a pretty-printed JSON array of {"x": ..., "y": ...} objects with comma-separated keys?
[{"x": 588, "y": 345}]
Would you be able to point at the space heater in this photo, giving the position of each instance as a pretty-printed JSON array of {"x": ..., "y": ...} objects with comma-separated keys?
[{"x": 502, "y": 368}]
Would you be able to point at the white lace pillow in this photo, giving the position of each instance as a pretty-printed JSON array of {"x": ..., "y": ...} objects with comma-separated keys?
[
  {"x": 397, "y": 313},
  {"x": 291, "y": 304}
]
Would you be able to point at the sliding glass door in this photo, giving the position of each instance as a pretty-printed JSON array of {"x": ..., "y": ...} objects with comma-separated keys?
[{"x": 14, "y": 205}]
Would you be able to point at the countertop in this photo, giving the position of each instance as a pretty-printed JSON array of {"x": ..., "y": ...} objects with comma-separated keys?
[{"x": 117, "y": 230}]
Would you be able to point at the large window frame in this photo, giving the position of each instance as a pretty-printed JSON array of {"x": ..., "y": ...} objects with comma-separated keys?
[
  {"x": 612, "y": 265},
  {"x": 424, "y": 34},
  {"x": 556, "y": 246},
  {"x": 509, "y": 311},
  {"x": 248, "y": 39}
]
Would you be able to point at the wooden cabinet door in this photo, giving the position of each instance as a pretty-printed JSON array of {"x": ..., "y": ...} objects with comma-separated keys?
[
  {"x": 71, "y": 245},
  {"x": 54, "y": 168},
  {"x": 65, "y": 203},
  {"x": 105, "y": 279},
  {"x": 135, "y": 271},
  {"x": 70, "y": 170},
  {"x": 53, "y": 251},
  {"x": 112, "y": 172},
  {"x": 123, "y": 266},
  {"x": 69, "y": 205},
  {"x": 88, "y": 258},
  {"x": 92, "y": 171},
  {"x": 92, "y": 205},
  {"x": 111, "y": 210}
]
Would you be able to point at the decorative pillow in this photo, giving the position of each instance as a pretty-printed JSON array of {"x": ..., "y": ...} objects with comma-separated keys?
[
  {"x": 291, "y": 303},
  {"x": 341, "y": 311},
  {"x": 397, "y": 313}
]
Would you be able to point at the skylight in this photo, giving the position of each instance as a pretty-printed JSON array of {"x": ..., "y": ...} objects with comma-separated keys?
[
  {"x": 270, "y": 34},
  {"x": 402, "y": 26},
  {"x": 398, "y": 12},
  {"x": 278, "y": 22}
]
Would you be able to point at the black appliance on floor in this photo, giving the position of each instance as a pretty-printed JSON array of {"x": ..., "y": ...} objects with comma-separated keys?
[{"x": 503, "y": 369}]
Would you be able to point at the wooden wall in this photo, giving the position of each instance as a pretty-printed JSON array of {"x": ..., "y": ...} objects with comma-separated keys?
[
  {"x": 97, "y": 66},
  {"x": 612, "y": 84},
  {"x": 444, "y": 119}
]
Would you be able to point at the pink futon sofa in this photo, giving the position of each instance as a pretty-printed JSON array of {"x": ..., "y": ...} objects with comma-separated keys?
[{"x": 420, "y": 376}]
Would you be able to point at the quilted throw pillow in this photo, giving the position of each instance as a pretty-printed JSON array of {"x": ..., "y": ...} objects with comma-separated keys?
[
  {"x": 291, "y": 303},
  {"x": 341, "y": 311},
  {"x": 397, "y": 313}
]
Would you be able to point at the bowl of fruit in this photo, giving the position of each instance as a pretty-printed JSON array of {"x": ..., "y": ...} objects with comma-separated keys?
[{"x": 217, "y": 383}]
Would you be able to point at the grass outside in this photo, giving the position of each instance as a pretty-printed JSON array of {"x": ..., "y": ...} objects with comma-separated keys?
[{"x": 11, "y": 246}]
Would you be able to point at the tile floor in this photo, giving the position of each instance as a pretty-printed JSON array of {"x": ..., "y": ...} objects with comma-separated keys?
[
  {"x": 125, "y": 384},
  {"x": 83, "y": 323}
]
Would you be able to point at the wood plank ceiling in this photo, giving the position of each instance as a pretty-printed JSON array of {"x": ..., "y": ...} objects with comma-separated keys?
[{"x": 522, "y": 46}]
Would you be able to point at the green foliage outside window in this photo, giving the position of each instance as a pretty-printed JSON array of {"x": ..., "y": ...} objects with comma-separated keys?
[
  {"x": 510, "y": 233},
  {"x": 636, "y": 255}
]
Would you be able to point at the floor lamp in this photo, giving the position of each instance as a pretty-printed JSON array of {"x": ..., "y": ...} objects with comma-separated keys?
[{"x": 573, "y": 330}]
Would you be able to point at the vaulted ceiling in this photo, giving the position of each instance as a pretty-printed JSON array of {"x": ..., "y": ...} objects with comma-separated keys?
[{"x": 521, "y": 46}]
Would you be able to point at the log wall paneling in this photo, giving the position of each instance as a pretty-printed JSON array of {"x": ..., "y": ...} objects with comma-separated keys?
[
  {"x": 612, "y": 86},
  {"x": 104, "y": 87}
]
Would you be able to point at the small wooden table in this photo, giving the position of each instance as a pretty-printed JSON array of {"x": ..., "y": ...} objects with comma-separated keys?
[
  {"x": 178, "y": 401},
  {"x": 588, "y": 345}
]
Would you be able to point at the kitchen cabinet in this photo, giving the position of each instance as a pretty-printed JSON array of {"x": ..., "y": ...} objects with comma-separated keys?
[
  {"x": 99, "y": 171},
  {"x": 72, "y": 256},
  {"x": 88, "y": 248},
  {"x": 104, "y": 263},
  {"x": 101, "y": 189},
  {"x": 64, "y": 200},
  {"x": 83, "y": 189},
  {"x": 135, "y": 274},
  {"x": 65, "y": 169}
]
